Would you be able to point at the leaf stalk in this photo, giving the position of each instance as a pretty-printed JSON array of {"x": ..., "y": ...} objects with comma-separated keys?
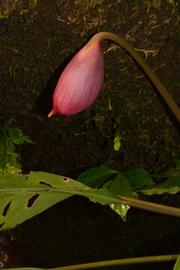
[{"x": 148, "y": 71}]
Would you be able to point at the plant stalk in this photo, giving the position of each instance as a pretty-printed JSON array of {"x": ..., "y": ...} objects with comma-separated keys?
[
  {"x": 152, "y": 207},
  {"x": 148, "y": 71},
  {"x": 129, "y": 261}
]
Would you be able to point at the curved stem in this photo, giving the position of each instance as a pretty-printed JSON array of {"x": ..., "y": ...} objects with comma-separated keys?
[
  {"x": 148, "y": 71},
  {"x": 138, "y": 260}
]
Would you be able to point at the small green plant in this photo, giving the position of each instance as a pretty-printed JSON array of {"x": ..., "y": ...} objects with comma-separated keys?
[
  {"x": 4, "y": 15},
  {"x": 100, "y": 2},
  {"x": 117, "y": 136},
  {"x": 96, "y": 2},
  {"x": 10, "y": 137},
  {"x": 172, "y": 2}
]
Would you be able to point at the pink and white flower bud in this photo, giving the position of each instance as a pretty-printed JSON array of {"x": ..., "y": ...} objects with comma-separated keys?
[{"x": 81, "y": 81}]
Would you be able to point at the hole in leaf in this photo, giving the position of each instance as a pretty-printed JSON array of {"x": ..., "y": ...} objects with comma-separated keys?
[
  {"x": 6, "y": 208},
  {"x": 32, "y": 200},
  {"x": 66, "y": 179},
  {"x": 1, "y": 225},
  {"x": 44, "y": 183}
]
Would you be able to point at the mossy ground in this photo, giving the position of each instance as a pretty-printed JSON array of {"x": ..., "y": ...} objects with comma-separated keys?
[{"x": 36, "y": 41}]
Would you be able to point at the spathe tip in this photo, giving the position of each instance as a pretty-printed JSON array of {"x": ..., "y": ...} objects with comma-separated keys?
[{"x": 51, "y": 114}]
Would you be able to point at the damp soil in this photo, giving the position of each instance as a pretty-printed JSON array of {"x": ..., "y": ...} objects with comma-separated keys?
[{"x": 36, "y": 41}]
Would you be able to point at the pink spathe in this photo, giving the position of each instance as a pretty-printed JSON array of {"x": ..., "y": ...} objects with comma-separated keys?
[{"x": 81, "y": 81}]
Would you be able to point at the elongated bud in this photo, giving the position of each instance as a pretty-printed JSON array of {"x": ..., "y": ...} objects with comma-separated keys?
[{"x": 81, "y": 81}]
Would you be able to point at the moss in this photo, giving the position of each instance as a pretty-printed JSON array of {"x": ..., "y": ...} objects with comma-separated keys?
[{"x": 4, "y": 15}]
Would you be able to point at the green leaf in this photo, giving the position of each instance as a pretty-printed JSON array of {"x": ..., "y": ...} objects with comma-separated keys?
[
  {"x": 117, "y": 142},
  {"x": 22, "y": 197},
  {"x": 120, "y": 185},
  {"x": 120, "y": 209},
  {"x": 139, "y": 178},
  {"x": 177, "y": 264},
  {"x": 30, "y": 203},
  {"x": 96, "y": 176},
  {"x": 10, "y": 137},
  {"x": 117, "y": 136},
  {"x": 172, "y": 173},
  {"x": 171, "y": 185}
]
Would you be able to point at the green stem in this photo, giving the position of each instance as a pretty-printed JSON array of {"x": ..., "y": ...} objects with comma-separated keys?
[
  {"x": 153, "y": 207},
  {"x": 148, "y": 71},
  {"x": 148, "y": 259}
]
